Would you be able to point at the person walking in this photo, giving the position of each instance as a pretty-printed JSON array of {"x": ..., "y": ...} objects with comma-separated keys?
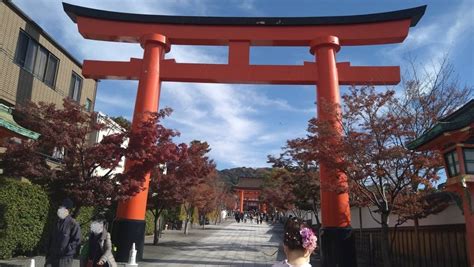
[
  {"x": 299, "y": 242},
  {"x": 237, "y": 217},
  {"x": 99, "y": 253},
  {"x": 64, "y": 239}
]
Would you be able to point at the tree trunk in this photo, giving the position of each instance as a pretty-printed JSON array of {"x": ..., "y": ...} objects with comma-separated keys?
[
  {"x": 417, "y": 242},
  {"x": 188, "y": 218},
  {"x": 385, "y": 241},
  {"x": 156, "y": 233},
  {"x": 318, "y": 221},
  {"x": 360, "y": 225},
  {"x": 186, "y": 226},
  {"x": 316, "y": 216}
]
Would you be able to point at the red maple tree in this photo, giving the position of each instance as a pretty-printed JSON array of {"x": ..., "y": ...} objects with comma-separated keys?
[
  {"x": 213, "y": 194},
  {"x": 194, "y": 171},
  {"x": 373, "y": 155},
  {"x": 181, "y": 183},
  {"x": 384, "y": 175},
  {"x": 74, "y": 171},
  {"x": 165, "y": 189},
  {"x": 297, "y": 180},
  {"x": 276, "y": 192}
]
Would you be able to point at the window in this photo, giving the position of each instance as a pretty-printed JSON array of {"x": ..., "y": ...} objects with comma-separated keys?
[
  {"x": 40, "y": 63},
  {"x": 75, "y": 88},
  {"x": 58, "y": 153},
  {"x": 36, "y": 59},
  {"x": 51, "y": 68},
  {"x": 88, "y": 105},
  {"x": 469, "y": 160},
  {"x": 452, "y": 162}
]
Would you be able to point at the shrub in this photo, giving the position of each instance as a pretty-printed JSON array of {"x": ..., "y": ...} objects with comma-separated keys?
[
  {"x": 27, "y": 216},
  {"x": 182, "y": 213},
  {"x": 195, "y": 215},
  {"x": 150, "y": 223},
  {"x": 84, "y": 219},
  {"x": 23, "y": 215}
]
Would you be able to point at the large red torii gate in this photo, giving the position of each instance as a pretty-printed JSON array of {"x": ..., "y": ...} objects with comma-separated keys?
[{"x": 322, "y": 35}]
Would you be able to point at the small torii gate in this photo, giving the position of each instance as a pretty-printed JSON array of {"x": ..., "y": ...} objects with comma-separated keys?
[
  {"x": 249, "y": 189},
  {"x": 324, "y": 36}
]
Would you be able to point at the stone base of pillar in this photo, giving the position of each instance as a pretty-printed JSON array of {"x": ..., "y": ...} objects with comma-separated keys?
[
  {"x": 337, "y": 247},
  {"x": 124, "y": 234}
]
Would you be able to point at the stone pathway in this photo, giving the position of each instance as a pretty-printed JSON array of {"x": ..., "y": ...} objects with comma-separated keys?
[{"x": 226, "y": 244}]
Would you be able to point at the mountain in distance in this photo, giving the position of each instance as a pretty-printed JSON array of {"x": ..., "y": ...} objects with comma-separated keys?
[{"x": 231, "y": 176}]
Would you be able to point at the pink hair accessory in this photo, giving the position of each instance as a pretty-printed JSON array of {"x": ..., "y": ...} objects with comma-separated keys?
[{"x": 309, "y": 239}]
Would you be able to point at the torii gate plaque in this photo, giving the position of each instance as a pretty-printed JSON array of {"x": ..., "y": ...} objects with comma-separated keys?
[{"x": 322, "y": 35}]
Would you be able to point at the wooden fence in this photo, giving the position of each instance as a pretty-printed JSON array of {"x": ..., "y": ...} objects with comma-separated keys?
[{"x": 443, "y": 246}]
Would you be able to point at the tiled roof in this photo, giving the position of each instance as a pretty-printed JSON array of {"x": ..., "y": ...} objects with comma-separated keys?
[
  {"x": 7, "y": 122},
  {"x": 412, "y": 14},
  {"x": 459, "y": 119}
]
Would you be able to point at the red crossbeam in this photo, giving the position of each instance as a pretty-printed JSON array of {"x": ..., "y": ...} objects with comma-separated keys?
[
  {"x": 248, "y": 74},
  {"x": 354, "y": 34}
]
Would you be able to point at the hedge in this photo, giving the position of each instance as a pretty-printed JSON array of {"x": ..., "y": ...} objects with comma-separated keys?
[
  {"x": 24, "y": 210},
  {"x": 84, "y": 219},
  {"x": 150, "y": 223},
  {"x": 27, "y": 216}
]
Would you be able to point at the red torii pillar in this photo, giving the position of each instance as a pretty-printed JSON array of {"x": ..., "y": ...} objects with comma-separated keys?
[
  {"x": 129, "y": 223},
  {"x": 334, "y": 205},
  {"x": 324, "y": 35},
  {"x": 242, "y": 193},
  {"x": 147, "y": 100}
]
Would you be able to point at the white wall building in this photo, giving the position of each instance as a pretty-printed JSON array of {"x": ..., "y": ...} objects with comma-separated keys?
[
  {"x": 451, "y": 215},
  {"x": 111, "y": 128}
]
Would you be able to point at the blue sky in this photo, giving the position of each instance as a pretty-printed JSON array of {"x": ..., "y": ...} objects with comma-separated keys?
[{"x": 245, "y": 123}]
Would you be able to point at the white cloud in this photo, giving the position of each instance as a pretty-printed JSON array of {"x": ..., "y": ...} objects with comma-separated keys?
[
  {"x": 431, "y": 42},
  {"x": 281, "y": 104},
  {"x": 216, "y": 114},
  {"x": 228, "y": 117},
  {"x": 247, "y": 5}
]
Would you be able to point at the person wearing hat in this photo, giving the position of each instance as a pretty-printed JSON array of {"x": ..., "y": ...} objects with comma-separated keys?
[{"x": 64, "y": 239}]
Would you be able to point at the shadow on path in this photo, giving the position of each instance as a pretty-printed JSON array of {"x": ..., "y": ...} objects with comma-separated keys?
[
  {"x": 198, "y": 262},
  {"x": 227, "y": 244}
]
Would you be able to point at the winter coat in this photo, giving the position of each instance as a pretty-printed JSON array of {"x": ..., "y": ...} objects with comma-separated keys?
[
  {"x": 103, "y": 247},
  {"x": 64, "y": 239}
]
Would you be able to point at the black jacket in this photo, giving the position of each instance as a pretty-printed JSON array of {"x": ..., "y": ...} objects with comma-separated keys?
[{"x": 64, "y": 239}]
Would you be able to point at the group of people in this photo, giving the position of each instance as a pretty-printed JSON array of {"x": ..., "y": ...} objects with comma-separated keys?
[
  {"x": 65, "y": 239},
  {"x": 299, "y": 241},
  {"x": 259, "y": 217}
]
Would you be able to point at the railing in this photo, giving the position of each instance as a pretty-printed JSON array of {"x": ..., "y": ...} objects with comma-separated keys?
[{"x": 440, "y": 245}]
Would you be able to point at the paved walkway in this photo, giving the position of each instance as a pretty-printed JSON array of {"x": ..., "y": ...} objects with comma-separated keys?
[{"x": 226, "y": 244}]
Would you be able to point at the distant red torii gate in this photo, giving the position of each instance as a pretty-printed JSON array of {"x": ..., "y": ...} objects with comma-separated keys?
[{"x": 322, "y": 35}]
